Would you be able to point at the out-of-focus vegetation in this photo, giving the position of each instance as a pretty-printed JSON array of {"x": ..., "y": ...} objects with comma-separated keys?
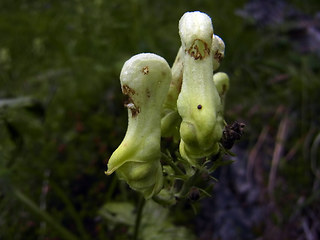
[{"x": 62, "y": 114}]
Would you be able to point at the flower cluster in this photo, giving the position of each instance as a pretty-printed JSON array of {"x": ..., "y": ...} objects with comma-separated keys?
[{"x": 184, "y": 103}]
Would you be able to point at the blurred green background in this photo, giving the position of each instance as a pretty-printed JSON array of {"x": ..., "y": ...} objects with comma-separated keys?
[{"x": 62, "y": 114}]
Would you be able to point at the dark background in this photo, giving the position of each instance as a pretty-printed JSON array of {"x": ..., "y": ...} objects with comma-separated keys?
[{"x": 62, "y": 115}]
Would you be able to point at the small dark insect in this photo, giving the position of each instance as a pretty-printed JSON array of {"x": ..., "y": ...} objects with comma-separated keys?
[{"x": 231, "y": 133}]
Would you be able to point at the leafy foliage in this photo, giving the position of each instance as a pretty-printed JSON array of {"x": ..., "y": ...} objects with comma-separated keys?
[{"x": 156, "y": 221}]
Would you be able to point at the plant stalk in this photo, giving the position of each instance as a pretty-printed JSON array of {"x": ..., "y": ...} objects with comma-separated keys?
[
  {"x": 169, "y": 161},
  {"x": 138, "y": 217},
  {"x": 65, "y": 233}
]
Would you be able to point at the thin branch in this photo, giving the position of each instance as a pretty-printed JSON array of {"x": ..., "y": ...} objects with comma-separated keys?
[
  {"x": 277, "y": 153},
  {"x": 65, "y": 234},
  {"x": 253, "y": 155},
  {"x": 169, "y": 162},
  {"x": 138, "y": 217}
]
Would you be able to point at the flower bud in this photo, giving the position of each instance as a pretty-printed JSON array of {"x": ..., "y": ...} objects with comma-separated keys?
[
  {"x": 199, "y": 104},
  {"x": 145, "y": 80}
]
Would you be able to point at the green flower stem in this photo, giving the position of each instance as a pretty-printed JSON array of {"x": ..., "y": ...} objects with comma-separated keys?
[
  {"x": 163, "y": 202},
  {"x": 169, "y": 161},
  {"x": 138, "y": 217},
  {"x": 65, "y": 234},
  {"x": 186, "y": 187}
]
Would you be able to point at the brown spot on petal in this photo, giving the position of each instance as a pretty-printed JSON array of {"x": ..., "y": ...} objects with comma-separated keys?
[
  {"x": 197, "y": 53},
  {"x": 218, "y": 56},
  {"x": 135, "y": 111},
  {"x": 145, "y": 70},
  {"x": 148, "y": 93},
  {"x": 129, "y": 103},
  {"x": 126, "y": 90},
  {"x": 132, "y": 107}
]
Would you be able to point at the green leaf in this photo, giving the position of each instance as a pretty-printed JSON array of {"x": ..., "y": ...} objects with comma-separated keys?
[
  {"x": 119, "y": 212},
  {"x": 158, "y": 225},
  {"x": 65, "y": 233},
  {"x": 156, "y": 222}
]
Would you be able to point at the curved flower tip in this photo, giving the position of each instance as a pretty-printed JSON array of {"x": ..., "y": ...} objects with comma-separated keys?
[{"x": 193, "y": 26}]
